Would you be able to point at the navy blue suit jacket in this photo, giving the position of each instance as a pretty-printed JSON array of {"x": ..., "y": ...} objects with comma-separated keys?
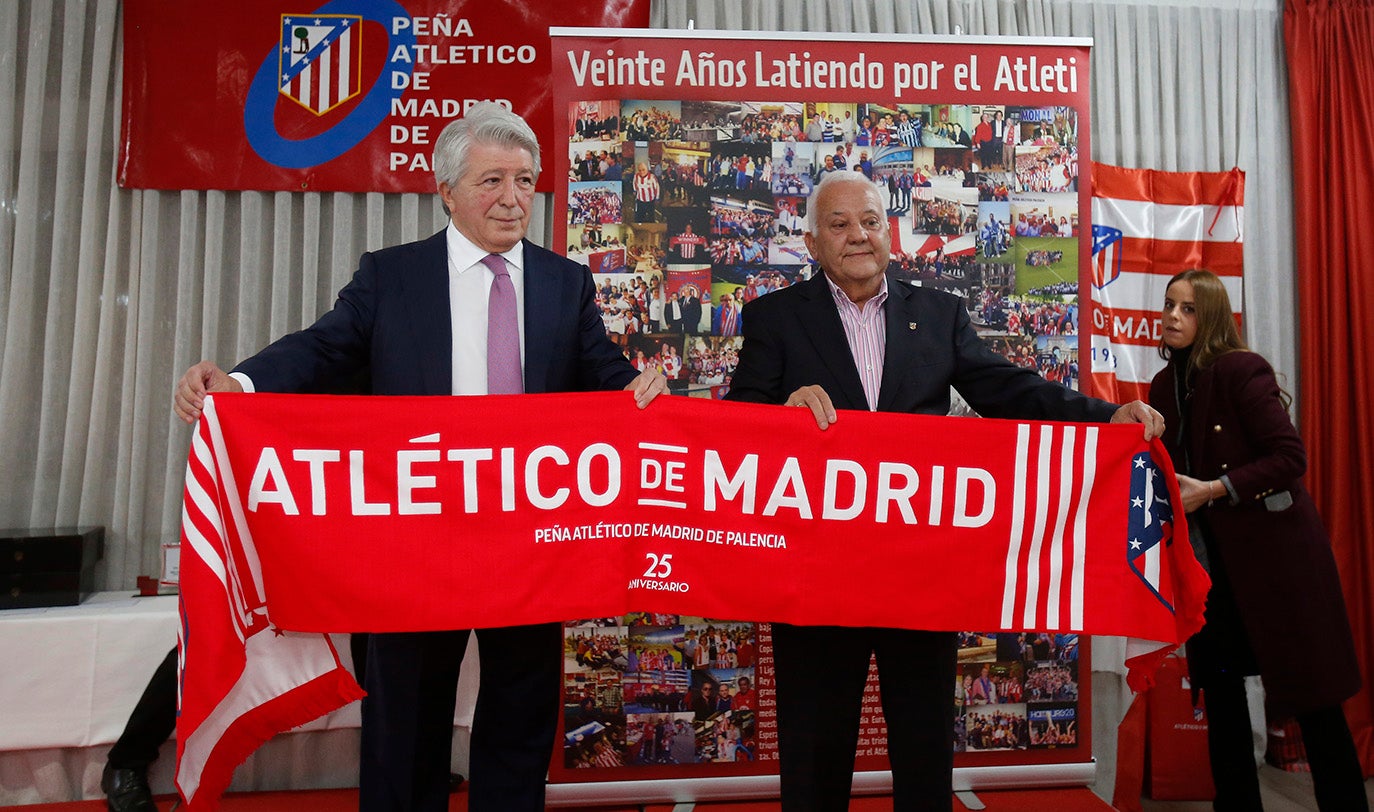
[
  {"x": 794, "y": 338},
  {"x": 392, "y": 321}
]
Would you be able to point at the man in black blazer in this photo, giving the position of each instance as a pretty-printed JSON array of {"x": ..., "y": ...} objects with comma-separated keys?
[
  {"x": 854, "y": 338},
  {"x": 415, "y": 319}
]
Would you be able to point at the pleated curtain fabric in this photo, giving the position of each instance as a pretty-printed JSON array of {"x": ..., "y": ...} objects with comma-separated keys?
[{"x": 107, "y": 295}]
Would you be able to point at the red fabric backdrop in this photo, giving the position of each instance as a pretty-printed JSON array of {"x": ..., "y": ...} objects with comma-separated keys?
[{"x": 1330, "y": 47}]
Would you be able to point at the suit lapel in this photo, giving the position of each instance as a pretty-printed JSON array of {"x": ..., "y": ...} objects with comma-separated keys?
[
  {"x": 428, "y": 300},
  {"x": 820, "y": 322},
  {"x": 542, "y": 296},
  {"x": 902, "y": 331}
]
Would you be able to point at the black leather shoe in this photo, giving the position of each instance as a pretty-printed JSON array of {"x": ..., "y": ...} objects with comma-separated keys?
[{"x": 126, "y": 790}]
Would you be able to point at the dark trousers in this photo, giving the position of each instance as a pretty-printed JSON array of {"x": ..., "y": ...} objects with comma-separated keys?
[
  {"x": 407, "y": 732},
  {"x": 152, "y": 721},
  {"x": 1336, "y": 776},
  {"x": 821, "y": 671}
]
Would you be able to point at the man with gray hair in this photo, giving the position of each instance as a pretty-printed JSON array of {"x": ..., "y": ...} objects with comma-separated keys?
[
  {"x": 475, "y": 309},
  {"x": 854, "y": 337}
]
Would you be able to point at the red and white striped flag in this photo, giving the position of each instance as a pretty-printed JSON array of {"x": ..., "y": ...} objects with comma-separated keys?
[
  {"x": 242, "y": 679},
  {"x": 1147, "y": 226}
]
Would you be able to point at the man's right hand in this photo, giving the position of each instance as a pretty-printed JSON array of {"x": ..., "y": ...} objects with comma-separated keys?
[
  {"x": 188, "y": 398},
  {"x": 814, "y": 398}
]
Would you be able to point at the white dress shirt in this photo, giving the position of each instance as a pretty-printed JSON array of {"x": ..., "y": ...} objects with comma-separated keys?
[{"x": 469, "y": 288}]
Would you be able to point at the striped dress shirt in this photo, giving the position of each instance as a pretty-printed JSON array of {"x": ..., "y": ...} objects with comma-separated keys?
[{"x": 866, "y": 329}]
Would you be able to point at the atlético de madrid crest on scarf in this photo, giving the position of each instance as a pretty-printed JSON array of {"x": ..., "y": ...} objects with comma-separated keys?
[
  {"x": 1150, "y": 525},
  {"x": 321, "y": 60}
]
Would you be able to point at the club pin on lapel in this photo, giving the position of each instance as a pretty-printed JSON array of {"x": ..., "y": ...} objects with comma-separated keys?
[{"x": 911, "y": 325}]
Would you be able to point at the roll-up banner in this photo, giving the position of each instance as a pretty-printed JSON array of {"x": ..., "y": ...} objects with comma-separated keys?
[{"x": 683, "y": 162}]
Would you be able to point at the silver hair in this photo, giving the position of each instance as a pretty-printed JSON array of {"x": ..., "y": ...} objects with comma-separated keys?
[
  {"x": 830, "y": 179},
  {"x": 488, "y": 123}
]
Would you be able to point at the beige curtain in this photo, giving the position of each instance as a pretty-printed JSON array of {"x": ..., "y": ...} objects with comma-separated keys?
[{"x": 107, "y": 294}]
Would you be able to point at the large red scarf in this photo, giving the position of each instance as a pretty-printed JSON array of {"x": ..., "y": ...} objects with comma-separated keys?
[{"x": 314, "y": 514}]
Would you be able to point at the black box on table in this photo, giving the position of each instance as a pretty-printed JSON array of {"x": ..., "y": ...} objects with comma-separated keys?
[{"x": 52, "y": 566}]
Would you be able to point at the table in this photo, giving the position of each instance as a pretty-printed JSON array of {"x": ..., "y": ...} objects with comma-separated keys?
[{"x": 71, "y": 675}]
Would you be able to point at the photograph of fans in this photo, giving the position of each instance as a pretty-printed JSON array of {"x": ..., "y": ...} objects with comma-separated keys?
[
  {"x": 660, "y": 352},
  {"x": 686, "y": 300},
  {"x": 644, "y": 249},
  {"x": 1055, "y": 259},
  {"x": 1046, "y": 126},
  {"x": 789, "y": 215},
  {"x": 684, "y": 173},
  {"x": 792, "y": 168},
  {"x": 1050, "y": 221},
  {"x": 688, "y": 241},
  {"x": 771, "y": 121},
  {"x": 594, "y": 203},
  {"x": 977, "y": 646},
  {"x": 704, "y": 120},
  {"x": 596, "y": 161},
  {"x": 1047, "y": 169},
  {"x": 991, "y": 683},
  {"x": 660, "y": 738},
  {"x": 728, "y": 736},
  {"x": 989, "y": 135},
  {"x": 624, "y": 300},
  {"x": 994, "y": 230},
  {"x": 1052, "y": 681},
  {"x": 945, "y": 271},
  {"x": 736, "y": 217},
  {"x": 1002, "y": 728},
  {"x": 938, "y": 215},
  {"x": 590, "y": 648},
  {"x": 1037, "y": 258},
  {"x": 594, "y": 744},
  {"x": 994, "y": 186},
  {"x": 740, "y": 167},
  {"x": 711, "y": 360},
  {"x": 788, "y": 250},
  {"x": 594, "y": 121},
  {"x": 645, "y": 121},
  {"x": 594, "y": 238},
  {"x": 1053, "y": 727}
]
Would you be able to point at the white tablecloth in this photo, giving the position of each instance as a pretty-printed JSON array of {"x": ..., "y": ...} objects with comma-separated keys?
[{"x": 71, "y": 675}]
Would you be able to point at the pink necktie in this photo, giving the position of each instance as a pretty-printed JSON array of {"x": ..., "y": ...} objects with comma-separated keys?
[{"x": 503, "y": 333}]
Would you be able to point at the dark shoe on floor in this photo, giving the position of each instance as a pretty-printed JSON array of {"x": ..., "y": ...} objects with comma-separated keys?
[{"x": 126, "y": 791}]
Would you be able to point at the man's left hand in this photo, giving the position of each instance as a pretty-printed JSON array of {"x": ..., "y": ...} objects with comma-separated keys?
[
  {"x": 1138, "y": 411},
  {"x": 647, "y": 386}
]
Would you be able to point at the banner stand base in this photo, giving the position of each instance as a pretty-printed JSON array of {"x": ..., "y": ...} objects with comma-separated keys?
[{"x": 753, "y": 787}]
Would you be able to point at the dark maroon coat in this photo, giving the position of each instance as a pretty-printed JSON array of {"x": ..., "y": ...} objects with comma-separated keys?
[{"x": 1278, "y": 558}]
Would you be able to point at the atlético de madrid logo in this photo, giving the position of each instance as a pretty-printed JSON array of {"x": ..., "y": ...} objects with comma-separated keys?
[
  {"x": 317, "y": 63},
  {"x": 321, "y": 60}
]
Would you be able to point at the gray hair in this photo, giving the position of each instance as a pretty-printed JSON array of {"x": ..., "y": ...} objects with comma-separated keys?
[
  {"x": 830, "y": 179},
  {"x": 488, "y": 123}
]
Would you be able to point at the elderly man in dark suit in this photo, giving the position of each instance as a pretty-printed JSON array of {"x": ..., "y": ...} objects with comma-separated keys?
[
  {"x": 475, "y": 309},
  {"x": 855, "y": 338}
]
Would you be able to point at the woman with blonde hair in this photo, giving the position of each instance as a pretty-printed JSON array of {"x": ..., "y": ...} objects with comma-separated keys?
[{"x": 1275, "y": 607}]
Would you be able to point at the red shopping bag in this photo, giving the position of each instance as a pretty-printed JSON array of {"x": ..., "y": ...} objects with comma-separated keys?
[
  {"x": 1179, "y": 768},
  {"x": 1161, "y": 744}
]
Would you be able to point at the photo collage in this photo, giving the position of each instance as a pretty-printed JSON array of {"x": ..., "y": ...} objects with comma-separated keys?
[
  {"x": 1016, "y": 692},
  {"x": 685, "y": 211},
  {"x": 653, "y": 690}
]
